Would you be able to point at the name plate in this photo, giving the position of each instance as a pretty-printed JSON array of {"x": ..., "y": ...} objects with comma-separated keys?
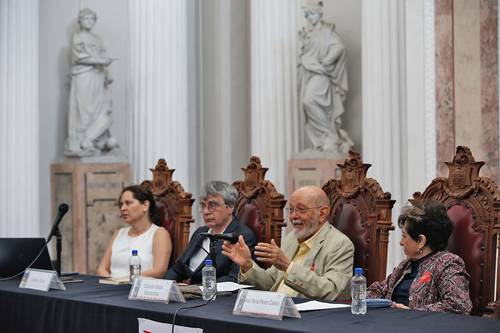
[
  {"x": 264, "y": 304},
  {"x": 41, "y": 279},
  {"x": 155, "y": 290}
]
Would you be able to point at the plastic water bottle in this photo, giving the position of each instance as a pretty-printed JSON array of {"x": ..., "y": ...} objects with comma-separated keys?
[
  {"x": 135, "y": 265},
  {"x": 209, "y": 281},
  {"x": 358, "y": 292}
]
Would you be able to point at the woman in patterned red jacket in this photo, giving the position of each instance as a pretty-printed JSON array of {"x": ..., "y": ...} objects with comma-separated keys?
[{"x": 430, "y": 279}]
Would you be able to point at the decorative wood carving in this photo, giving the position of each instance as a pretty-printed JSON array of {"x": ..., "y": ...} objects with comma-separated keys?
[
  {"x": 174, "y": 204},
  {"x": 481, "y": 197},
  {"x": 374, "y": 207},
  {"x": 262, "y": 194}
]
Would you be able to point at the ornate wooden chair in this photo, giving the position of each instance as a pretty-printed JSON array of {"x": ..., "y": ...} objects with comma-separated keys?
[
  {"x": 362, "y": 211},
  {"x": 260, "y": 206},
  {"x": 473, "y": 205},
  {"x": 174, "y": 206}
]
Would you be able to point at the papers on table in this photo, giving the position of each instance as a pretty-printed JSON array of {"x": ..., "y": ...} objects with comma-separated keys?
[
  {"x": 229, "y": 286},
  {"x": 315, "y": 305}
]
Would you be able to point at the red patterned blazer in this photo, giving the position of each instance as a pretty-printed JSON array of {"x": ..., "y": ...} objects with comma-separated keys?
[{"x": 441, "y": 284}]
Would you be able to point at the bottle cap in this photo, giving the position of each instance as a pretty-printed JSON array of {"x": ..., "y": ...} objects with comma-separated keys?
[
  {"x": 208, "y": 262},
  {"x": 358, "y": 271},
  {"x": 134, "y": 252}
]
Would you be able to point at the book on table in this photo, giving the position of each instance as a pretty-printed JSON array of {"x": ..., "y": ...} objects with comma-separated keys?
[{"x": 114, "y": 281}]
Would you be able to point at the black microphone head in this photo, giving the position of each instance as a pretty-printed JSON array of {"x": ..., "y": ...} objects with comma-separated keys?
[
  {"x": 63, "y": 208},
  {"x": 232, "y": 237},
  {"x": 61, "y": 211}
]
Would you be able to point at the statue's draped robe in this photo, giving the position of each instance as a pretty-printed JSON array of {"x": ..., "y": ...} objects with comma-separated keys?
[
  {"x": 322, "y": 87},
  {"x": 90, "y": 108}
]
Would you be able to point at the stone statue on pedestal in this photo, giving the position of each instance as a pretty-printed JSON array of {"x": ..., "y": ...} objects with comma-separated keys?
[
  {"x": 322, "y": 80},
  {"x": 90, "y": 105}
]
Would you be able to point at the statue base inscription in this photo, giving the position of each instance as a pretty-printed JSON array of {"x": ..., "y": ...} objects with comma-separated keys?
[{"x": 91, "y": 190}]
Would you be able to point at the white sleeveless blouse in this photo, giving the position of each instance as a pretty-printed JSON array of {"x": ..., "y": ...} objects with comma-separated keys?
[{"x": 122, "y": 250}]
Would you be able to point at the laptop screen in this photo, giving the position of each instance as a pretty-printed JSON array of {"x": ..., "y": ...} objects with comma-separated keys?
[{"x": 17, "y": 253}]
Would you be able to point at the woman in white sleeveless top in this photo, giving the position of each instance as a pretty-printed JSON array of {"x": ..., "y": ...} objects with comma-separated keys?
[{"x": 137, "y": 208}]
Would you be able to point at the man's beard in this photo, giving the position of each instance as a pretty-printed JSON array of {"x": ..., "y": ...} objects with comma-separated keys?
[{"x": 306, "y": 232}]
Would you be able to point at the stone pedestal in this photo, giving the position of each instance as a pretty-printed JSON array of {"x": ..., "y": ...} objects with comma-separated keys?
[
  {"x": 91, "y": 190},
  {"x": 303, "y": 172}
]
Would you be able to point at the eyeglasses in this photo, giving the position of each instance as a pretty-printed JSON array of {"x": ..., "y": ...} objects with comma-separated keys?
[
  {"x": 211, "y": 206},
  {"x": 300, "y": 210}
]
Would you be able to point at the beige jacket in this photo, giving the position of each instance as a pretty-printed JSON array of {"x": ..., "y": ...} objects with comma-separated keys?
[{"x": 324, "y": 274}]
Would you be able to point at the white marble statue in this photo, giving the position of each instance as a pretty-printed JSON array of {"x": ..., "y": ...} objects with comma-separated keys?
[
  {"x": 322, "y": 80},
  {"x": 90, "y": 105}
]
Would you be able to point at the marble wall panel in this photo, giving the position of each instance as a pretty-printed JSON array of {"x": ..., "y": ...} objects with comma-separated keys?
[
  {"x": 467, "y": 81},
  {"x": 489, "y": 86},
  {"x": 445, "y": 103},
  {"x": 467, "y": 75}
]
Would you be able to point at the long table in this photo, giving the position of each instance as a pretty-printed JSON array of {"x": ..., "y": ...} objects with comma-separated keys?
[{"x": 93, "y": 307}]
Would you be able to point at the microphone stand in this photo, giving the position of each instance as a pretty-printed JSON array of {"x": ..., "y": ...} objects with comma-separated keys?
[
  {"x": 212, "y": 253},
  {"x": 58, "y": 251}
]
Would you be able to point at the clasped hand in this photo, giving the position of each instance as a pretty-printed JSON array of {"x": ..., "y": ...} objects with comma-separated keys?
[
  {"x": 399, "y": 306},
  {"x": 270, "y": 253}
]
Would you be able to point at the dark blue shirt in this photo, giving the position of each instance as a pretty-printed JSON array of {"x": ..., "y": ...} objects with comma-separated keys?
[{"x": 402, "y": 291}]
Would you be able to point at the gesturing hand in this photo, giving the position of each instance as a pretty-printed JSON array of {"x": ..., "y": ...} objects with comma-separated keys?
[
  {"x": 271, "y": 253},
  {"x": 239, "y": 253}
]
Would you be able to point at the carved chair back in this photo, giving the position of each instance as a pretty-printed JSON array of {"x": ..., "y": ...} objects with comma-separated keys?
[
  {"x": 260, "y": 206},
  {"x": 174, "y": 206},
  {"x": 473, "y": 205},
  {"x": 362, "y": 211}
]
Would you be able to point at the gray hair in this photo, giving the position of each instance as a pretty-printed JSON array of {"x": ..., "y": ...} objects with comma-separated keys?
[{"x": 225, "y": 190}]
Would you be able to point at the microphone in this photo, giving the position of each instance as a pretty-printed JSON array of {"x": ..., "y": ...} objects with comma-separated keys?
[
  {"x": 231, "y": 237},
  {"x": 61, "y": 211}
]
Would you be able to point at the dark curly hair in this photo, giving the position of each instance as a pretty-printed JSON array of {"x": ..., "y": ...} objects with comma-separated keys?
[
  {"x": 428, "y": 218},
  {"x": 143, "y": 194}
]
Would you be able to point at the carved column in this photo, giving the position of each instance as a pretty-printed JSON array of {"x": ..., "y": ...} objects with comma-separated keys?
[
  {"x": 159, "y": 87},
  {"x": 273, "y": 85},
  {"x": 19, "y": 134}
]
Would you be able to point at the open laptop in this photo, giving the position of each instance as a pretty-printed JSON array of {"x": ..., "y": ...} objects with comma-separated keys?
[{"x": 17, "y": 253}]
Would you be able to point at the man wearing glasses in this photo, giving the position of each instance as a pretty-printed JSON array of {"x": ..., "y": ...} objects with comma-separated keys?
[
  {"x": 315, "y": 260},
  {"x": 217, "y": 200}
]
